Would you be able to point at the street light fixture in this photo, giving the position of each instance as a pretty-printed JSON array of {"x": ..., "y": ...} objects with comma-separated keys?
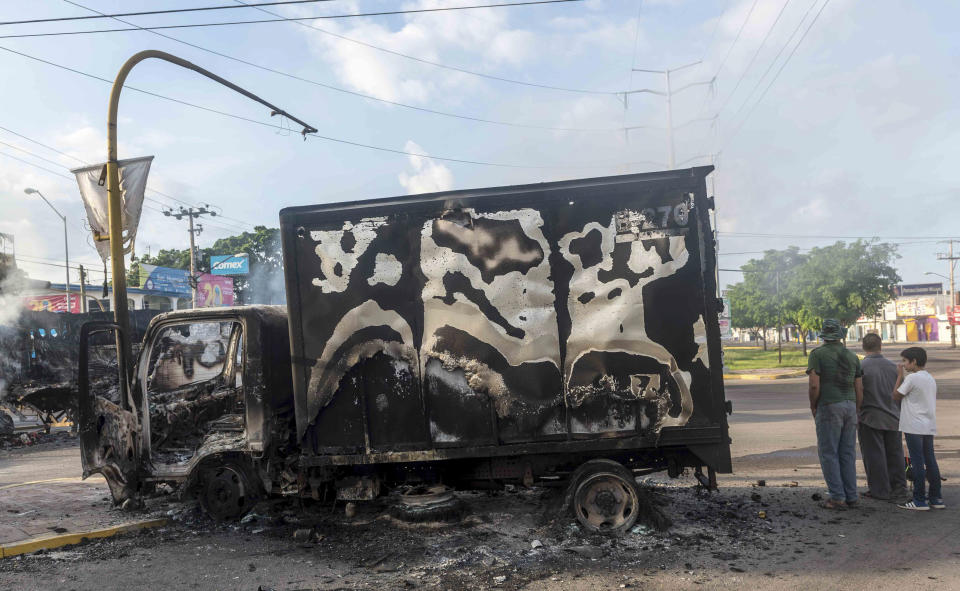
[
  {"x": 66, "y": 249},
  {"x": 937, "y": 274}
]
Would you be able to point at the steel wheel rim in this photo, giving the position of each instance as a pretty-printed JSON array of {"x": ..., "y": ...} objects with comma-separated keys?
[{"x": 605, "y": 502}]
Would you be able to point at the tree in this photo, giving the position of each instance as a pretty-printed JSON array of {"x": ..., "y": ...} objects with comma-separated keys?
[
  {"x": 847, "y": 281},
  {"x": 758, "y": 302}
]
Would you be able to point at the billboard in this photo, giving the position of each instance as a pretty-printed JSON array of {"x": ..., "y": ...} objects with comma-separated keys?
[
  {"x": 230, "y": 264},
  {"x": 165, "y": 279},
  {"x": 214, "y": 291},
  {"x": 52, "y": 303},
  {"x": 917, "y": 289},
  {"x": 917, "y": 307}
]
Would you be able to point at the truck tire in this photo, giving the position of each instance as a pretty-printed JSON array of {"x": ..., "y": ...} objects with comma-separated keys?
[
  {"x": 605, "y": 497},
  {"x": 427, "y": 504},
  {"x": 228, "y": 491}
]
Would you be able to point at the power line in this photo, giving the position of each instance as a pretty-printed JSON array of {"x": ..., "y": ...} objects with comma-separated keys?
[
  {"x": 70, "y": 178},
  {"x": 754, "y": 58},
  {"x": 317, "y": 135},
  {"x": 345, "y": 90},
  {"x": 148, "y": 12},
  {"x": 287, "y": 19},
  {"x": 85, "y": 163},
  {"x": 737, "y": 38},
  {"x": 777, "y": 75},
  {"x": 438, "y": 64}
]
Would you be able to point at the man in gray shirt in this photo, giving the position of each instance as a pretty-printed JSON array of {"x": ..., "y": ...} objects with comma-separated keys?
[{"x": 879, "y": 425}]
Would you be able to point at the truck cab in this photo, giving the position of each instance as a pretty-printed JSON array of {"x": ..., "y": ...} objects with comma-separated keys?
[{"x": 206, "y": 405}]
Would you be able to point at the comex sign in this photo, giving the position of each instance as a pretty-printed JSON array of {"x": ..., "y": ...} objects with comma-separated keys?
[{"x": 231, "y": 264}]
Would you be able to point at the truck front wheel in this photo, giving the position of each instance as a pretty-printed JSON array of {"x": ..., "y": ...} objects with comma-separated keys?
[
  {"x": 605, "y": 497},
  {"x": 227, "y": 491}
]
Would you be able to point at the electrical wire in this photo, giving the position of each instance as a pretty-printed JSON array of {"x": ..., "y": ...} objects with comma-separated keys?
[
  {"x": 777, "y": 75},
  {"x": 243, "y": 227},
  {"x": 347, "y": 91},
  {"x": 288, "y": 19},
  {"x": 319, "y": 136},
  {"x": 70, "y": 178},
  {"x": 438, "y": 64},
  {"x": 149, "y": 12},
  {"x": 754, "y": 57},
  {"x": 737, "y": 38},
  {"x": 774, "y": 61}
]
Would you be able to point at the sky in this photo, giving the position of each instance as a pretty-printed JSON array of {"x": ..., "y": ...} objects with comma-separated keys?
[{"x": 826, "y": 119}]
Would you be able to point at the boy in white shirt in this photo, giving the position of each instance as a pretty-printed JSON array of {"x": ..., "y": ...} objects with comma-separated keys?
[{"x": 916, "y": 391}]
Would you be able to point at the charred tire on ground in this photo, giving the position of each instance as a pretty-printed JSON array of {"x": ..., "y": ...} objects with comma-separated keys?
[
  {"x": 604, "y": 497},
  {"x": 228, "y": 490},
  {"x": 420, "y": 504}
]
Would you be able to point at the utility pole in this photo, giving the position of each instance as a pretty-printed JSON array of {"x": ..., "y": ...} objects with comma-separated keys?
[
  {"x": 670, "y": 92},
  {"x": 83, "y": 289},
  {"x": 191, "y": 213},
  {"x": 779, "y": 324},
  {"x": 953, "y": 298}
]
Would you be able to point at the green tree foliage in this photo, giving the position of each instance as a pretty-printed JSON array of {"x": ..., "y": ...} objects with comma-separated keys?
[
  {"x": 843, "y": 281},
  {"x": 262, "y": 285}
]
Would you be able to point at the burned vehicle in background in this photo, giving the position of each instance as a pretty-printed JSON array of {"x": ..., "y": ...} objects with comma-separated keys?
[
  {"x": 553, "y": 332},
  {"x": 38, "y": 362}
]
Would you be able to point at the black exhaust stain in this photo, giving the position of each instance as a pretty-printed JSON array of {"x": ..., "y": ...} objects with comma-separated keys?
[
  {"x": 621, "y": 269},
  {"x": 485, "y": 241},
  {"x": 456, "y": 282},
  {"x": 589, "y": 248},
  {"x": 348, "y": 241}
]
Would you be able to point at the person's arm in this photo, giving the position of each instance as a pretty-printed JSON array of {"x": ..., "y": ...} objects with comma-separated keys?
[
  {"x": 858, "y": 388},
  {"x": 813, "y": 382},
  {"x": 897, "y": 396}
]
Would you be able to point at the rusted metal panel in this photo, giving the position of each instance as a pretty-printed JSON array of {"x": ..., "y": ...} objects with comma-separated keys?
[{"x": 503, "y": 317}]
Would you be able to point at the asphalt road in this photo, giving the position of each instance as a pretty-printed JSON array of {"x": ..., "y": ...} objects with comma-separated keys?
[{"x": 875, "y": 547}]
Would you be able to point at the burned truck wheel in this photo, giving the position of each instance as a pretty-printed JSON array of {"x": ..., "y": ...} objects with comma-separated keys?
[
  {"x": 605, "y": 497},
  {"x": 227, "y": 491},
  {"x": 420, "y": 504}
]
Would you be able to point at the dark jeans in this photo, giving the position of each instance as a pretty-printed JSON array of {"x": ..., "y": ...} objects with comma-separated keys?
[
  {"x": 882, "y": 452},
  {"x": 837, "y": 448},
  {"x": 925, "y": 467}
]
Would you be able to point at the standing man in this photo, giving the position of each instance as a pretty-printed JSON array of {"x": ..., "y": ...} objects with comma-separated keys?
[
  {"x": 836, "y": 393},
  {"x": 879, "y": 426}
]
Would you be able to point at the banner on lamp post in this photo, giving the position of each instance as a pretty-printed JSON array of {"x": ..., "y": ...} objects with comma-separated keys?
[{"x": 93, "y": 191}]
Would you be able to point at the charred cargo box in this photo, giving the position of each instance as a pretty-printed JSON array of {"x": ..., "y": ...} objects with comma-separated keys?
[{"x": 556, "y": 320}]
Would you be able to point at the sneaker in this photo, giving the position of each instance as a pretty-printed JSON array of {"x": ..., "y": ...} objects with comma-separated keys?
[
  {"x": 914, "y": 506},
  {"x": 937, "y": 504}
]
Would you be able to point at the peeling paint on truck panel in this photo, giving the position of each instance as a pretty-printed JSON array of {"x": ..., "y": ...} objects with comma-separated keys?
[{"x": 555, "y": 312}]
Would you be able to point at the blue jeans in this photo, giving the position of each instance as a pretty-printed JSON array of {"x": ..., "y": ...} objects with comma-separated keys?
[
  {"x": 837, "y": 448},
  {"x": 925, "y": 466}
]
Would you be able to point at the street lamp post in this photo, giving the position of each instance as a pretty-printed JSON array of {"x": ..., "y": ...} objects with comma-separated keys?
[
  {"x": 66, "y": 249},
  {"x": 114, "y": 195}
]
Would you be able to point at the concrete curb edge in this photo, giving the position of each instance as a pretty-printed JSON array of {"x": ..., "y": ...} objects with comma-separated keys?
[
  {"x": 758, "y": 377},
  {"x": 50, "y": 542}
]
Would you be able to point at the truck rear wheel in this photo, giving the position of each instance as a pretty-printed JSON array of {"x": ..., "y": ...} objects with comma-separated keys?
[
  {"x": 605, "y": 497},
  {"x": 227, "y": 491}
]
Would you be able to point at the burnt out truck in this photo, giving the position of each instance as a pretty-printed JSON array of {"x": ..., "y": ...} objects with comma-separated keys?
[{"x": 563, "y": 332}]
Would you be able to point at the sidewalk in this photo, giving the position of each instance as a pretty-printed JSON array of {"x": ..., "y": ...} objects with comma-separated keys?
[
  {"x": 780, "y": 373},
  {"x": 45, "y": 504}
]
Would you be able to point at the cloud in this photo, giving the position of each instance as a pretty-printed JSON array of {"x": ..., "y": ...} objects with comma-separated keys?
[
  {"x": 428, "y": 175},
  {"x": 485, "y": 40}
]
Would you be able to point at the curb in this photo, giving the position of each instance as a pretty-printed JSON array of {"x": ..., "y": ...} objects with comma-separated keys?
[
  {"x": 759, "y": 377},
  {"x": 50, "y": 542}
]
